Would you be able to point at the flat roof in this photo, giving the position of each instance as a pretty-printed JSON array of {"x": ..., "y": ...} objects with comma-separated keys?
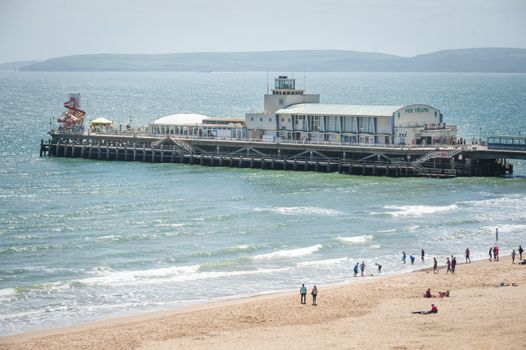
[
  {"x": 337, "y": 109},
  {"x": 181, "y": 119}
]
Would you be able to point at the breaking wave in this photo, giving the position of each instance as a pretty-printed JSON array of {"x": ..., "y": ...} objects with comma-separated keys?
[
  {"x": 417, "y": 210},
  {"x": 302, "y": 211},
  {"x": 291, "y": 253},
  {"x": 355, "y": 239}
]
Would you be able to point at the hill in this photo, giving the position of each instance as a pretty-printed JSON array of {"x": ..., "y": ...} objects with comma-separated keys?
[{"x": 461, "y": 60}]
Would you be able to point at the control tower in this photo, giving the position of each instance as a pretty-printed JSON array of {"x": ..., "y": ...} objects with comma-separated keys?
[{"x": 285, "y": 94}]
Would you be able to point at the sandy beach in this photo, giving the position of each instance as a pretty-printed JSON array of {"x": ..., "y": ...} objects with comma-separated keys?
[{"x": 372, "y": 313}]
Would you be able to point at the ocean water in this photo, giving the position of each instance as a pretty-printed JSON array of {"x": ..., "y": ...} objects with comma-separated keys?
[{"x": 85, "y": 240}]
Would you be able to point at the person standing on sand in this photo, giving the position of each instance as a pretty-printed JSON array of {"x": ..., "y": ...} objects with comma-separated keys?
[
  {"x": 303, "y": 294},
  {"x": 490, "y": 253},
  {"x": 513, "y": 256},
  {"x": 520, "y": 252},
  {"x": 453, "y": 264},
  {"x": 356, "y": 269},
  {"x": 314, "y": 294},
  {"x": 496, "y": 253},
  {"x": 403, "y": 256},
  {"x": 362, "y": 267},
  {"x": 497, "y": 234},
  {"x": 435, "y": 265},
  {"x": 448, "y": 265},
  {"x": 467, "y": 255},
  {"x": 422, "y": 255}
]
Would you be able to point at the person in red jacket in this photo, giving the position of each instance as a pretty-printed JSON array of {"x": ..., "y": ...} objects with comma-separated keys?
[{"x": 433, "y": 310}]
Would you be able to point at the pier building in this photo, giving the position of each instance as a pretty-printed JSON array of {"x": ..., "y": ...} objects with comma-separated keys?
[
  {"x": 290, "y": 114},
  {"x": 198, "y": 125},
  {"x": 263, "y": 126}
]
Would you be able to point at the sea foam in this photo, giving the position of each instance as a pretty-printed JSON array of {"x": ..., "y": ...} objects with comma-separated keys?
[
  {"x": 355, "y": 239},
  {"x": 291, "y": 253},
  {"x": 302, "y": 211},
  {"x": 417, "y": 210}
]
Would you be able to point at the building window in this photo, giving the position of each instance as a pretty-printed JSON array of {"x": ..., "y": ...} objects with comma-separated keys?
[
  {"x": 280, "y": 101},
  {"x": 282, "y": 119}
]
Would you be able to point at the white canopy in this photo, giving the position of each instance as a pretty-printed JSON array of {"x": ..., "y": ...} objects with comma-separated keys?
[
  {"x": 101, "y": 121},
  {"x": 181, "y": 119}
]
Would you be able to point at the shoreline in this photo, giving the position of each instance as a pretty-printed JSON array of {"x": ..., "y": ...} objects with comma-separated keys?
[
  {"x": 219, "y": 302},
  {"x": 223, "y": 324}
]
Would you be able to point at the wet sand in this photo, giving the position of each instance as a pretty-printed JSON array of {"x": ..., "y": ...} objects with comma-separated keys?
[{"x": 373, "y": 313}]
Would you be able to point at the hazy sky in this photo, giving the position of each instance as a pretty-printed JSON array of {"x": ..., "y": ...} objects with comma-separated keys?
[{"x": 40, "y": 29}]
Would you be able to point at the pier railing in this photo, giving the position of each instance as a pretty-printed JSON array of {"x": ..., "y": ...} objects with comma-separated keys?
[{"x": 139, "y": 133}]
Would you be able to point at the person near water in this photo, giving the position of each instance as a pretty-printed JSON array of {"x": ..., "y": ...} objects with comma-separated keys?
[
  {"x": 362, "y": 267},
  {"x": 513, "y": 256},
  {"x": 497, "y": 234},
  {"x": 467, "y": 254},
  {"x": 433, "y": 310},
  {"x": 403, "y": 256},
  {"x": 314, "y": 294},
  {"x": 422, "y": 255},
  {"x": 453, "y": 264},
  {"x": 490, "y": 253},
  {"x": 379, "y": 267},
  {"x": 303, "y": 294},
  {"x": 356, "y": 269},
  {"x": 435, "y": 265},
  {"x": 412, "y": 258},
  {"x": 496, "y": 253},
  {"x": 448, "y": 265},
  {"x": 520, "y": 252}
]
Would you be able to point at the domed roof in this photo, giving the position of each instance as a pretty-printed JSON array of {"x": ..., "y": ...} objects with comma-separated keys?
[{"x": 181, "y": 119}]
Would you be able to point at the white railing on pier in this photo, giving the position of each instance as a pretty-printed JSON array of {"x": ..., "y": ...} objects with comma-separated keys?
[{"x": 138, "y": 133}]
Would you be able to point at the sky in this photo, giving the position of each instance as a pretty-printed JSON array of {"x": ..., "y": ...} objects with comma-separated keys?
[{"x": 41, "y": 29}]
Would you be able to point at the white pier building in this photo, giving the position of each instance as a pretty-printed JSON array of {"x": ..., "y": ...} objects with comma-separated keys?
[{"x": 289, "y": 114}]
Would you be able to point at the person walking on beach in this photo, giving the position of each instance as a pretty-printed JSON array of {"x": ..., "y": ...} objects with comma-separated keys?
[
  {"x": 490, "y": 253},
  {"x": 422, "y": 255},
  {"x": 448, "y": 262},
  {"x": 314, "y": 294},
  {"x": 435, "y": 265},
  {"x": 356, "y": 269},
  {"x": 403, "y": 256},
  {"x": 412, "y": 258},
  {"x": 496, "y": 234},
  {"x": 513, "y": 256},
  {"x": 467, "y": 253},
  {"x": 362, "y": 267},
  {"x": 520, "y": 252},
  {"x": 303, "y": 294},
  {"x": 496, "y": 253},
  {"x": 453, "y": 264}
]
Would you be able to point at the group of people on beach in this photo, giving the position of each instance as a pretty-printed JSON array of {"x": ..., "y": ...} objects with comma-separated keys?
[
  {"x": 303, "y": 294},
  {"x": 361, "y": 267},
  {"x": 494, "y": 253},
  {"x": 451, "y": 263}
]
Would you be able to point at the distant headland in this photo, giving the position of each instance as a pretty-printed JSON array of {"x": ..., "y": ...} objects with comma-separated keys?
[{"x": 486, "y": 60}]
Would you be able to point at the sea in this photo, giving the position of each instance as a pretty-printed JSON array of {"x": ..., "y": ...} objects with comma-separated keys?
[{"x": 84, "y": 240}]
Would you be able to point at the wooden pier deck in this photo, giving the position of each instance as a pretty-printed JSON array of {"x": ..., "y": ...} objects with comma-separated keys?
[{"x": 349, "y": 159}]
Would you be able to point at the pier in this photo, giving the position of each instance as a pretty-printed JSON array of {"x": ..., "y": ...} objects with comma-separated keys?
[{"x": 355, "y": 159}]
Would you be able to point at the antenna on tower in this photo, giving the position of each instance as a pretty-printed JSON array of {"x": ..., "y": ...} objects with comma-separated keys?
[{"x": 267, "y": 81}]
